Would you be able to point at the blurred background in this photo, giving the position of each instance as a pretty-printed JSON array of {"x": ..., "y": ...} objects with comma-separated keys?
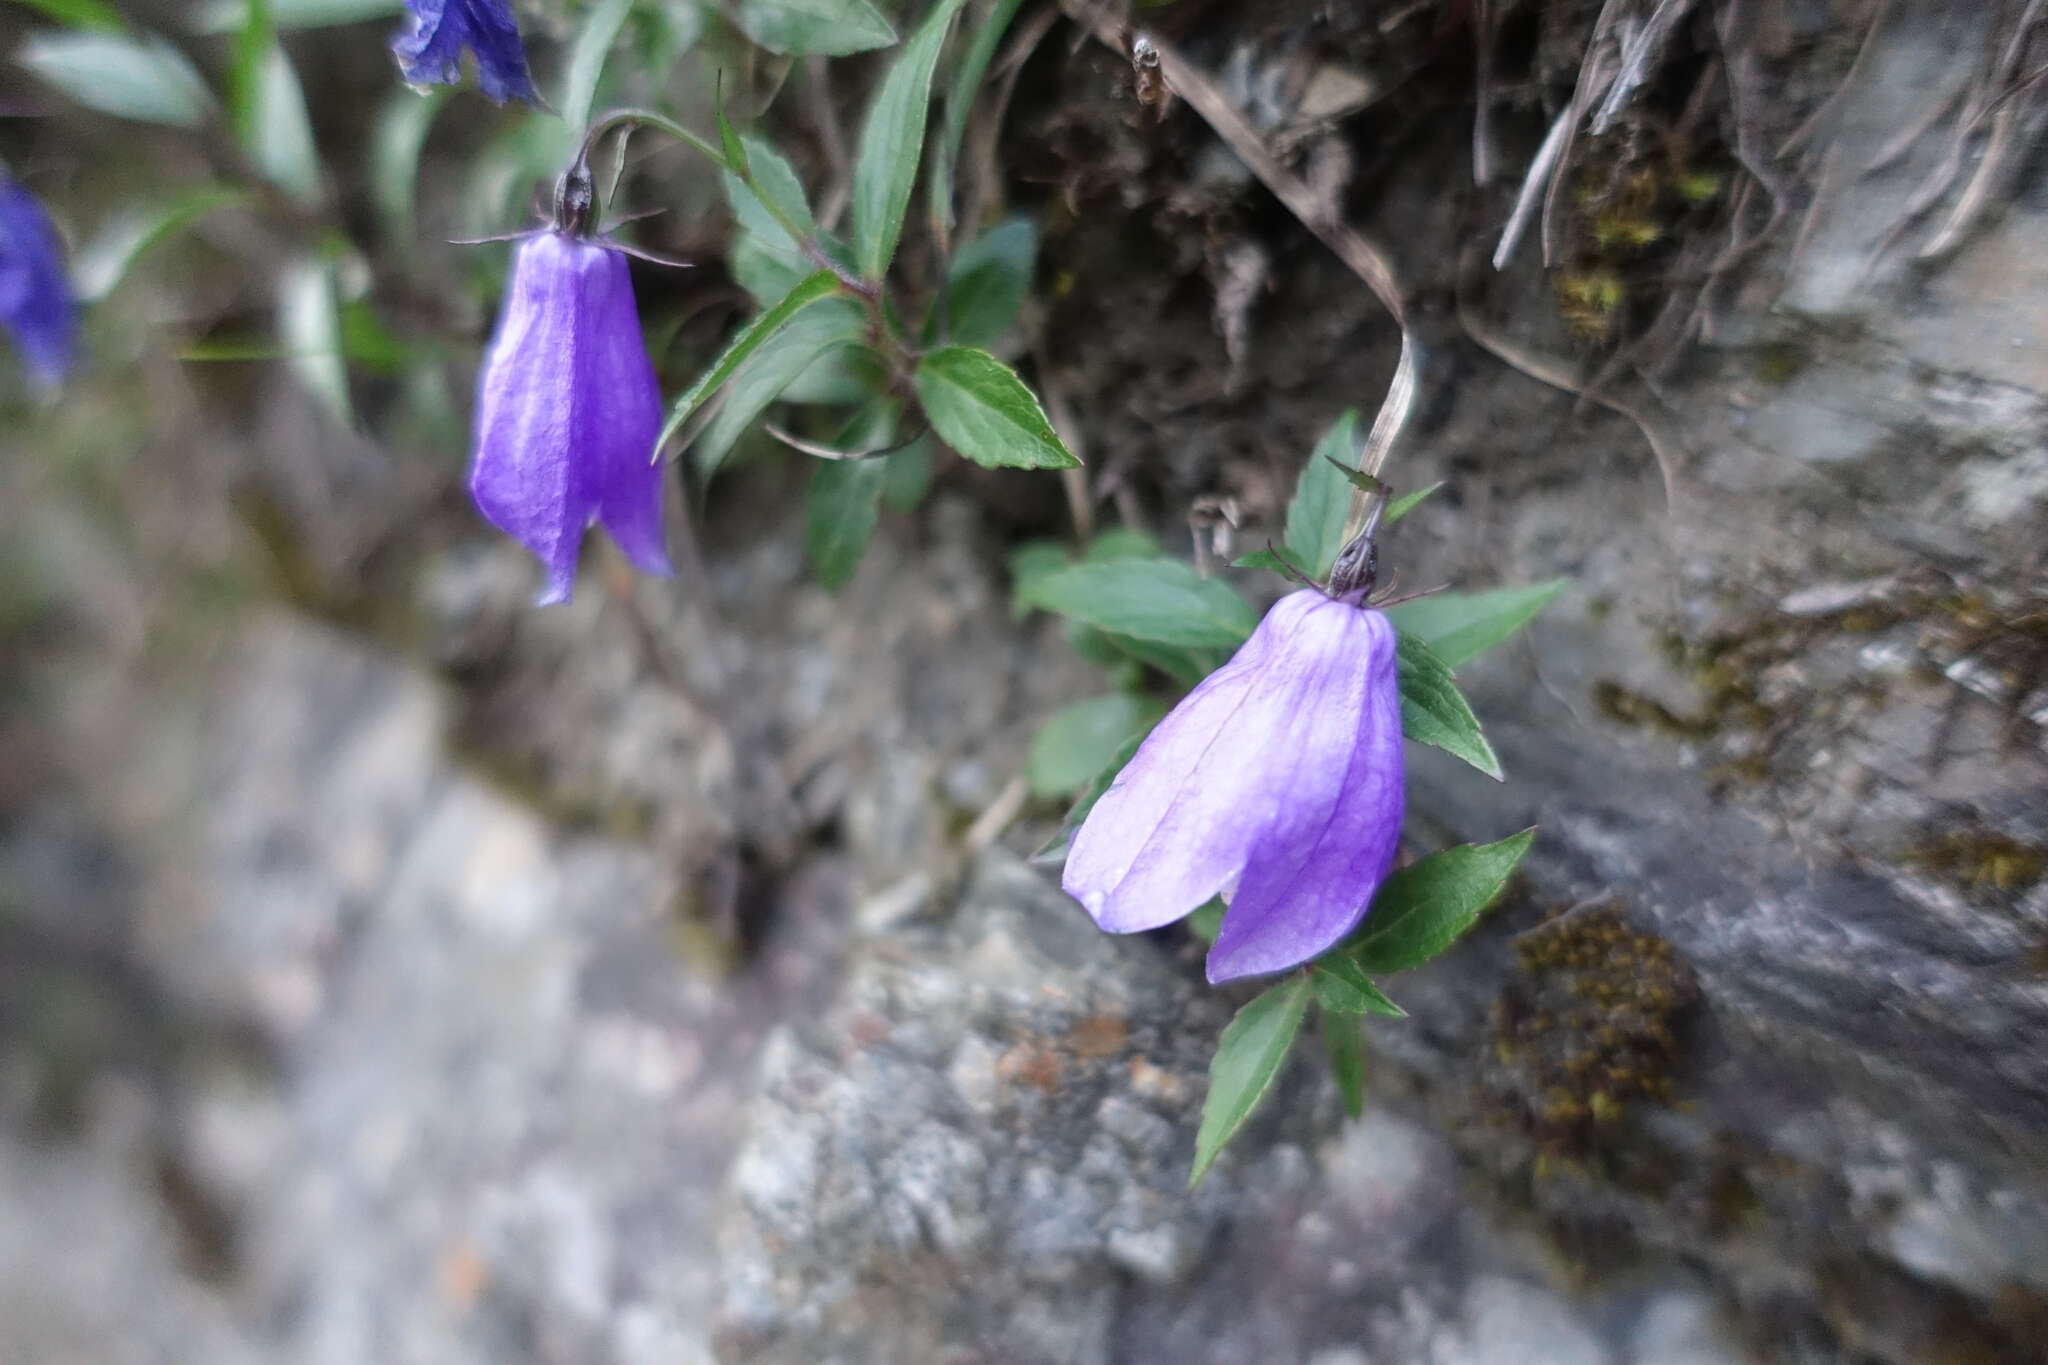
[{"x": 391, "y": 971}]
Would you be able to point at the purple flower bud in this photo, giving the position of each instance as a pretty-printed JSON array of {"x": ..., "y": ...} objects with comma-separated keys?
[
  {"x": 1278, "y": 782},
  {"x": 430, "y": 49},
  {"x": 36, "y": 303},
  {"x": 568, "y": 412}
]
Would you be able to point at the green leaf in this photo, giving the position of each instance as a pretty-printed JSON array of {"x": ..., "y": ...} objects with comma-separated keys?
[
  {"x": 1460, "y": 626},
  {"x": 985, "y": 285},
  {"x": 1078, "y": 812},
  {"x": 1406, "y": 503},
  {"x": 839, "y": 516},
  {"x": 780, "y": 362},
  {"x": 280, "y": 139},
  {"x": 762, "y": 270},
  {"x": 1247, "y": 1061},
  {"x": 225, "y": 16},
  {"x": 775, "y": 197},
  {"x": 1342, "y": 987},
  {"x": 815, "y": 28},
  {"x": 1322, "y": 499},
  {"x": 105, "y": 261},
  {"x": 885, "y": 167},
  {"x": 1028, "y": 563},
  {"x": 144, "y": 79},
  {"x": 752, "y": 337},
  {"x": 960, "y": 95},
  {"x": 395, "y": 147},
  {"x": 982, "y": 409},
  {"x": 1121, "y": 542},
  {"x": 586, "y": 59},
  {"x": 1207, "y": 920},
  {"x": 1269, "y": 558},
  {"x": 1344, "y": 1045},
  {"x": 1072, "y": 746},
  {"x": 309, "y": 326},
  {"x": 1426, "y": 907},
  {"x": 730, "y": 146},
  {"x": 245, "y": 76},
  {"x": 907, "y": 474},
  {"x": 90, "y": 14},
  {"x": 1160, "y": 600},
  {"x": 1434, "y": 711}
]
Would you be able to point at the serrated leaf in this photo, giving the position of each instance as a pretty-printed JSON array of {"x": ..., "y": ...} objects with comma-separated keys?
[
  {"x": 309, "y": 325},
  {"x": 143, "y": 79},
  {"x": 1322, "y": 499},
  {"x": 780, "y": 362},
  {"x": 1342, "y": 986},
  {"x": 105, "y": 261},
  {"x": 1460, "y": 626},
  {"x": 1072, "y": 747},
  {"x": 1426, "y": 907},
  {"x": 752, "y": 337},
  {"x": 960, "y": 94},
  {"x": 979, "y": 406},
  {"x": 1406, "y": 503},
  {"x": 1160, "y": 600},
  {"x": 1253, "y": 1049},
  {"x": 840, "y": 512},
  {"x": 1434, "y": 711},
  {"x": 885, "y": 167},
  {"x": 815, "y": 28},
  {"x": 986, "y": 282},
  {"x": 586, "y": 59},
  {"x": 775, "y": 197},
  {"x": 1344, "y": 1045}
]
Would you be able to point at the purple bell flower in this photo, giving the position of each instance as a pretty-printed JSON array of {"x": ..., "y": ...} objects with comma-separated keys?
[
  {"x": 568, "y": 411},
  {"x": 1278, "y": 782},
  {"x": 430, "y": 49},
  {"x": 36, "y": 303}
]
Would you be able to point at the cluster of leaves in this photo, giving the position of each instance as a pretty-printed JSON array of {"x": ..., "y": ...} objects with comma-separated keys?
[{"x": 1143, "y": 616}]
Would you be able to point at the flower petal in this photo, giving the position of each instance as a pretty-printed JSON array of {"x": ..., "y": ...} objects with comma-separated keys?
[
  {"x": 1310, "y": 877},
  {"x": 622, "y": 414},
  {"x": 1177, "y": 824},
  {"x": 36, "y": 303},
  {"x": 526, "y": 476},
  {"x": 429, "y": 49}
]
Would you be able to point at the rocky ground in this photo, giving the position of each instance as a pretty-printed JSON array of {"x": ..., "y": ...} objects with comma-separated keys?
[{"x": 390, "y": 972}]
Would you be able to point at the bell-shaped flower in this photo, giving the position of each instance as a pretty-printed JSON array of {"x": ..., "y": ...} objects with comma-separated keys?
[
  {"x": 36, "y": 303},
  {"x": 429, "y": 48},
  {"x": 568, "y": 411},
  {"x": 1277, "y": 783}
]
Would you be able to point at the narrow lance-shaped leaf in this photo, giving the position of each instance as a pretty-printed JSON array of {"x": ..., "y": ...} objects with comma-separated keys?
[
  {"x": 751, "y": 338},
  {"x": 1460, "y": 626},
  {"x": 885, "y": 167},
  {"x": 959, "y": 102},
  {"x": 1344, "y": 1045},
  {"x": 839, "y": 516},
  {"x": 145, "y": 79},
  {"x": 1426, "y": 907},
  {"x": 395, "y": 147},
  {"x": 106, "y": 260},
  {"x": 815, "y": 28},
  {"x": 309, "y": 324},
  {"x": 86, "y": 14},
  {"x": 1434, "y": 711},
  {"x": 1406, "y": 503},
  {"x": 1342, "y": 985},
  {"x": 979, "y": 406},
  {"x": 1161, "y": 600},
  {"x": 1249, "y": 1057},
  {"x": 1322, "y": 499},
  {"x": 770, "y": 200},
  {"x": 586, "y": 59},
  {"x": 779, "y": 363},
  {"x": 986, "y": 282},
  {"x": 281, "y": 138}
]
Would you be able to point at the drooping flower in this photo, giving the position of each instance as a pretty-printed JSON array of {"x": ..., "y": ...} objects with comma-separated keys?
[
  {"x": 568, "y": 411},
  {"x": 429, "y": 48},
  {"x": 36, "y": 303},
  {"x": 1278, "y": 783}
]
